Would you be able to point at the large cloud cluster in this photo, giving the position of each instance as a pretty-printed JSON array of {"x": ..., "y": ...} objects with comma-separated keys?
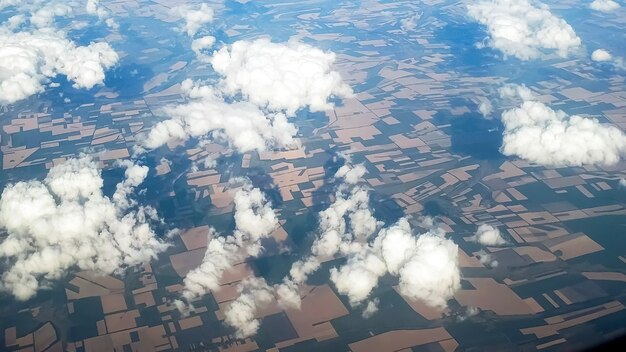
[
  {"x": 29, "y": 58},
  {"x": 274, "y": 81},
  {"x": 254, "y": 220},
  {"x": 280, "y": 76},
  {"x": 523, "y": 28},
  {"x": 426, "y": 264},
  {"x": 535, "y": 132},
  {"x": 66, "y": 222},
  {"x": 242, "y": 124}
]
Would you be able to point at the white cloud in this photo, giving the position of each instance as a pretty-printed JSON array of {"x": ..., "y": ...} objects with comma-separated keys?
[
  {"x": 254, "y": 220},
  {"x": 221, "y": 254},
  {"x": 301, "y": 269},
  {"x": 622, "y": 182},
  {"x": 288, "y": 294},
  {"x": 201, "y": 44},
  {"x": 371, "y": 308},
  {"x": 29, "y": 59},
  {"x": 359, "y": 276},
  {"x": 194, "y": 16},
  {"x": 94, "y": 8},
  {"x": 485, "y": 107},
  {"x": 44, "y": 16},
  {"x": 425, "y": 264},
  {"x": 535, "y": 132},
  {"x": 240, "y": 314},
  {"x": 351, "y": 174},
  {"x": 601, "y": 55},
  {"x": 524, "y": 29},
  {"x": 242, "y": 124},
  {"x": 280, "y": 76},
  {"x": 65, "y": 222},
  {"x": 488, "y": 235},
  {"x": 335, "y": 234},
  {"x": 273, "y": 79},
  {"x": 514, "y": 92},
  {"x": 604, "y": 5}
]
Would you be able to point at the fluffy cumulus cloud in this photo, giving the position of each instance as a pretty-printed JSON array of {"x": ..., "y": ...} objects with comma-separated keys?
[
  {"x": 604, "y": 5},
  {"x": 359, "y": 276},
  {"x": 535, "y": 132},
  {"x": 28, "y": 59},
  {"x": 524, "y": 29},
  {"x": 242, "y": 124},
  {"x": 65, "y": 222},
  {"x": 262, "y": 83},
  {"x": 351, "y": 174},
  {"x": 241, "y": 313},
  {"x": 44, "y": 16},
  {"x": 195, "y": 16},
  {"x": 600, "y": 55},
  {"x": 254, "y": 220},
  {"x": 426, "y": 264},
  {"x": 280, "y": 76},
  {"x": 488, "y": 235}
]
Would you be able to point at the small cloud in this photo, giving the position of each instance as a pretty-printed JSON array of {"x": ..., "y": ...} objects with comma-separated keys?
[
  {"x": 371, "y": 308},
  {"x": 604, "y": 5},
  {"x": 485, "y": 107},
  {"x": 488, "y": 235},
  {"x": 601, "y": 55},
  {"x": 351, "y": 174},
  {"x": 200, "y": 45}
]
